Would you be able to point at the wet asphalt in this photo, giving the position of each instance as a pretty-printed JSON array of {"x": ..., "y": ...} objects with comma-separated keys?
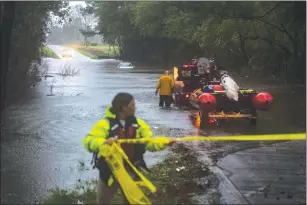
[{"x": 41, "y": 138}]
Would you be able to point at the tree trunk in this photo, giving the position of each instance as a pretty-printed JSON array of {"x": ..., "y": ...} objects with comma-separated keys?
[
  {"x": 243, "y": 51},
  {"x": 7, "y": 21}
]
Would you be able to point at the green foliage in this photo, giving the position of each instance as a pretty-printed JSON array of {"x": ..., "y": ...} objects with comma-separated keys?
[
  {"x": 31, "y": 21},
  {"x": 255, "y": 38},
  {"x": 95, "y": 50},
  {"x": 173, "y": 186},
  {"x": 47, "y": 52}
]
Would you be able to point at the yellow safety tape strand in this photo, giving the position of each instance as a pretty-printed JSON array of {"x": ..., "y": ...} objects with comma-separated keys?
[
  {"x": 271, "y": 137},
  {"x": 242, "y": 91}
]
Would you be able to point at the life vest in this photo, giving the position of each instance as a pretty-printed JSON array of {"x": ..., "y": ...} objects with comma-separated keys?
[{"x": 135, "y": 152}]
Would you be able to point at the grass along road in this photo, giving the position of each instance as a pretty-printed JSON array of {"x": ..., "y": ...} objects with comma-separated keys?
[
  {"x": 95, "y": 51},
  {"x": 47, "y": 52},
  {"x": 180, "y": 179}
]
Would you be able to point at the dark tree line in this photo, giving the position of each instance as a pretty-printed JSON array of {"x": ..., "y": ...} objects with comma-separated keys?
[
  {"x": 252, "y": 38},
  {"x": 23, "y": 31}
]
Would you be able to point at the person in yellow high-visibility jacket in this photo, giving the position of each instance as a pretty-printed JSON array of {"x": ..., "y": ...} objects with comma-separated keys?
[
  {"x": 118, "y": 122},
  {"x": 165, "y": 88}
]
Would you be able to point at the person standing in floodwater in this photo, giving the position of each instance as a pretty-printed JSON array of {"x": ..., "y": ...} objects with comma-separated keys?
[
  {"x": 118, "y": 122},
  {"x": 165, "y": 87}
]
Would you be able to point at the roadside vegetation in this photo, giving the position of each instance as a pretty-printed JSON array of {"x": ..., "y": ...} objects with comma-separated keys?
[
  {"x": 95, "y": 50},
  {"x": 24, "y": 34},
  {"x": 47, "y": 52},
  {"x": 252, "y": 38},
  {"x": 175, "y": 179}
]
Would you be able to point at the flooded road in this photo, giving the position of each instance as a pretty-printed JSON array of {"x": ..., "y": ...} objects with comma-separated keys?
[{"x": 41, "y": 138}]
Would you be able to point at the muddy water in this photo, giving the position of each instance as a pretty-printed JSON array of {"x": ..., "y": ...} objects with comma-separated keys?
[{"x": 41, "y": 137}]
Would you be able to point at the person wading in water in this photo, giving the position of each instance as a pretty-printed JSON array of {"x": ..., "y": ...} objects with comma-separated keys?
[{"x": 165, "y": 88}]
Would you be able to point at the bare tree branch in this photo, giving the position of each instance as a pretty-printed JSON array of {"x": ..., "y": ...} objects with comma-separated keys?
[
  {"x": 260, "y": 18},
  {"x": 248, "y": 17},
  {"x": 256, "y": 37}
]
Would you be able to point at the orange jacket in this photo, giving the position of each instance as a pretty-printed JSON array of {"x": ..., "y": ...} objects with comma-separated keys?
[{"x": 165, "y": 85}]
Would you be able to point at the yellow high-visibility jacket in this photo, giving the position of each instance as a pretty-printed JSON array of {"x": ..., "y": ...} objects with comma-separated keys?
[
  {"x": 100, "y": 132},
  {"x": 165, "y": 85}
]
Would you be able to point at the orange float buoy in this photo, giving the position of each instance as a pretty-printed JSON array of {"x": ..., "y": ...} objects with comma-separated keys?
[
  {"x": 262, "y": 101},
  {"x": 207, "y": 102}
]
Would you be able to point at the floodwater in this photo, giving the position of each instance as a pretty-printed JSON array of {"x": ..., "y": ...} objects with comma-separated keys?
[{"x": 41, "y": 138}]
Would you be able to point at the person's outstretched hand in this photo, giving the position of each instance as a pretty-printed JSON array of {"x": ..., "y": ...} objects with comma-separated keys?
[{"x": 110, "y": 140}]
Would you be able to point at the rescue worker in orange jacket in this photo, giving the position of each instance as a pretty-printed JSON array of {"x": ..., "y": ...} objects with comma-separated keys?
[
  {"x": 165, "y": 88},
  {"x": 118, "y": 122}
]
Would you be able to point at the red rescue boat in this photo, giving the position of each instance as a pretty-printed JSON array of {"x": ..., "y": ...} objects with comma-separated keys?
[{"x": 214, "y": 105}]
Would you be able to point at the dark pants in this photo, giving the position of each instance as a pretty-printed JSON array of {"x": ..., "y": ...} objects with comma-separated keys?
[
  {"x": 106, "y": 193},
  {"x": 167, "y": 99}
]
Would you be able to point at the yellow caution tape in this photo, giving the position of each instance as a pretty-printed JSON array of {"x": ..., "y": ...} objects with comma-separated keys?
[
  {"x": 115, "y": 156},
  {"x": 233, "y": 115},
  {"x": 270, "y": 137},
  {"x": 241, "y": 91}
]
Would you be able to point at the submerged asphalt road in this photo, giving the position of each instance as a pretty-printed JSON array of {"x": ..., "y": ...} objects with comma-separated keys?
[{"x": 41, "y": 138}]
